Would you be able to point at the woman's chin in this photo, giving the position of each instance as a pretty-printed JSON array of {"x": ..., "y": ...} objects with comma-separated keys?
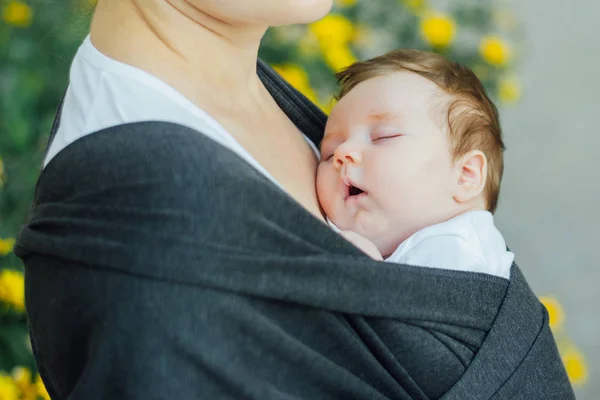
[{"x": 307, "y": 11}]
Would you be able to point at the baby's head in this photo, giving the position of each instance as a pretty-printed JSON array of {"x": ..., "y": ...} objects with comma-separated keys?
[{"x": 413, "y": 141}]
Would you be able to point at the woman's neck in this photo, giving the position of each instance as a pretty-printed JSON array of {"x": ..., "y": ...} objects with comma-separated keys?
[{"x": 187, "y": 48}]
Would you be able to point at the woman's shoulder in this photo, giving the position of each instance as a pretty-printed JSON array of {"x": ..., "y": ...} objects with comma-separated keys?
[
  {"x": 104, "y": 92},
  {"x": 118, "y": 103}
]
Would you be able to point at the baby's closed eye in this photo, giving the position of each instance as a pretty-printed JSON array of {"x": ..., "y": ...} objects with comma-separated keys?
[{"x": 379, "y": 138}]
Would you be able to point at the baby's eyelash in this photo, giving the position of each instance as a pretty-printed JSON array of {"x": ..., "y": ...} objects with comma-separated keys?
[{"x": 375, "y": 139}]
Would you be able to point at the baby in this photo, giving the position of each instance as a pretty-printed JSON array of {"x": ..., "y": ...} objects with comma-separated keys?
[{"x": 411, "y": 164}]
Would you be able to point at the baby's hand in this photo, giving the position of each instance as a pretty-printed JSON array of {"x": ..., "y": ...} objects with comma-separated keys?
[{"x": 362, "y": 243}]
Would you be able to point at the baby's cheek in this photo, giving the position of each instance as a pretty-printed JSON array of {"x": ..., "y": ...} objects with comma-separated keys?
[{"x": 325, "y": 185}]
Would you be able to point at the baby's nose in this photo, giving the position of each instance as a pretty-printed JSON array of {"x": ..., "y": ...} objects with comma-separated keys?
[{"x": 344, "y": 155}]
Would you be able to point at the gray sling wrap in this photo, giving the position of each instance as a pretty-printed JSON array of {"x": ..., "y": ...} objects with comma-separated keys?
[{"x": 160, "y": 265}]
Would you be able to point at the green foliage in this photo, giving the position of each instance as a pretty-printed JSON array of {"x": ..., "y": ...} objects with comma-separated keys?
[
  {"x": 34, "y": 64},
  {"x": 37, "y": 41}
]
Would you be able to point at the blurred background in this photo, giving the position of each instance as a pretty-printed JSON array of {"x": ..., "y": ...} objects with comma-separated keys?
[{"x": 537, "y": 59}]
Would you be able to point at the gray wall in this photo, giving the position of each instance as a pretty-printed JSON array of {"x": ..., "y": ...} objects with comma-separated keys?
[{"x": 550, "y": 201}]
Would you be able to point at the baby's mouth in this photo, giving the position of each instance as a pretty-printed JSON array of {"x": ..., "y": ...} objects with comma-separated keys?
[
  {"x": 354, "y": 191},
  {"x": 351, "y": 190}
]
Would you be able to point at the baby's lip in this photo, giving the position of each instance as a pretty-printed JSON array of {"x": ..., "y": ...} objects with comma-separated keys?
[{"x": 349, "y": 186}]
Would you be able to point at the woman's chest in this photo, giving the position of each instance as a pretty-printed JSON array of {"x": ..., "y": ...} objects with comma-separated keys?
[{"x": 285, "y": 154}]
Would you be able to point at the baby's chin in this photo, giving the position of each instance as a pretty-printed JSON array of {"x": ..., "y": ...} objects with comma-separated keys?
[
  {"x": 362, "y": 224},
  {"x": 386, "y": 237}
]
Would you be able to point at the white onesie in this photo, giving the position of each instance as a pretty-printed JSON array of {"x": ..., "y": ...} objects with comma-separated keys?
[{"x": 467, "y": 242}]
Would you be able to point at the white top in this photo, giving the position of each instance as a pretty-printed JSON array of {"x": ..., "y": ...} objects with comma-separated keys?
[
  {"x": 467, "y": 242},
  {"x": 104, "y": 92}
]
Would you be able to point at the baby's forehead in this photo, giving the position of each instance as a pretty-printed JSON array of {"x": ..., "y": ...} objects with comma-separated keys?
[
  {"x": 400, "y": 81},
  {"x": 397, "y": 95},
  {"x": 398, "y": 92}
]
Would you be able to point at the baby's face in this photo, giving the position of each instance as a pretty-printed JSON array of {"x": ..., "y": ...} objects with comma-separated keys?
[{"x": 386, "y": 169}]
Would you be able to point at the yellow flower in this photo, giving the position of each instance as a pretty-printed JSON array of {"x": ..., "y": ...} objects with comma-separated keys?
[
  {"x": 334, "y": 33},
  {"x": 575, "y": 366},
  {"x": 298, "y": 78},
  {"x": 18, "y": 14},
  {"x": 41, "y": 389},
  {"x": 346, "y": 3},
  {"x": 338, "y": 57},
  {"x": 494, "y": 50},
  {"x": 8, "y": 388},
  {"x": 509, "y": 90},
  {"x": 12, "y": 289},
  {"x": 333, "y": 30},
  {"x": 438, "y": 29},
  {"x": 555, "y": 311},
  {"x": 22, "y": 378},
  {"x": 6, "y": 246}
]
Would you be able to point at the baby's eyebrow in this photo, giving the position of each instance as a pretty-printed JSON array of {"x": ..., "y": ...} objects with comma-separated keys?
[
  {"x": 379, "y": 116},
  {"x": 383, "y": 116}
]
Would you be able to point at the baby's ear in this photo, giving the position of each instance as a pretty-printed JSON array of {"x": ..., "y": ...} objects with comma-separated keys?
[{"x": 471, "y": 176}]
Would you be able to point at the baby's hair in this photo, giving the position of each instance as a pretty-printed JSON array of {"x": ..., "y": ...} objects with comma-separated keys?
[{"x": 472, "y": 118}]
